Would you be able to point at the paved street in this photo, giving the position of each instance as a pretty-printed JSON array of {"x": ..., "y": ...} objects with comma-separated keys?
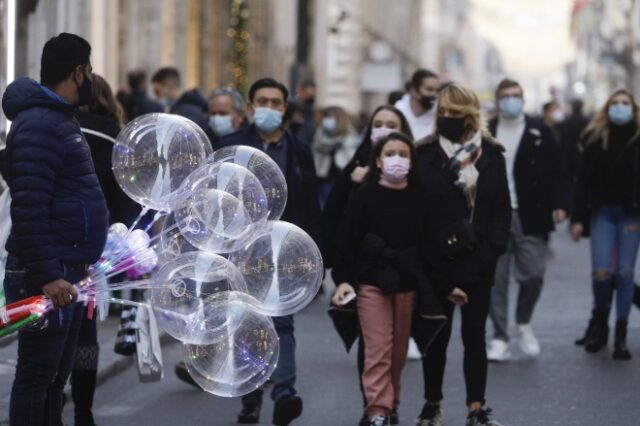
[{"x": 565, "y": 386}]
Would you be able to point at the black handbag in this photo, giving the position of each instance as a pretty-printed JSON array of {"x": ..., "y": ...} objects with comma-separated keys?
[{"x": 459, "y": 238}]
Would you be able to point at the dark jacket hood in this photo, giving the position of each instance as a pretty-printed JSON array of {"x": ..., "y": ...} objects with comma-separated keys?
[
  {"x": 193, "y": 97},
  {"x": 25, "y": 93}
]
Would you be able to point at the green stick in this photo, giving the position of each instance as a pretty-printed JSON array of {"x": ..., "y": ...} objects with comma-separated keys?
[{"x": 14, "y": 327}]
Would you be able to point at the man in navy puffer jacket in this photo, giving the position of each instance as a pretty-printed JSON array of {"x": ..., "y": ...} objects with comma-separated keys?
[{"x": 59, "y": 220}]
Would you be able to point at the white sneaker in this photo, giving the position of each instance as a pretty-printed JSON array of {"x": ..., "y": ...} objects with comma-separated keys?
[
  {"x": 528, "y": 342},
  {"x": 413, "y": 353},
  {"x": 498, "y": 351}
]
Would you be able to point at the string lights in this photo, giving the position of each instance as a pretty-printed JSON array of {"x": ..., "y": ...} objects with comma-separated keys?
[{"x": 239, "y": 35}]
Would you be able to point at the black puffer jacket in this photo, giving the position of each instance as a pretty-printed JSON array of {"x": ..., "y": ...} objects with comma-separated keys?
[
  {"x": 447, "y": 205},
  {"x": 58, "y": 211}
]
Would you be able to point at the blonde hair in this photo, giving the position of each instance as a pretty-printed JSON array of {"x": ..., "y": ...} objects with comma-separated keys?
[
  {"x": 459, "y": 98},
  {"x": 598, "y": 128}
]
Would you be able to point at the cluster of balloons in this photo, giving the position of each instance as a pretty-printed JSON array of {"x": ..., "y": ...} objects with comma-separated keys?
[{"x": 226, "y": 261}]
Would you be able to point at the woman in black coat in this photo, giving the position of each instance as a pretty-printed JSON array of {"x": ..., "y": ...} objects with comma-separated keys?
[{"x": 463, "y": 173}]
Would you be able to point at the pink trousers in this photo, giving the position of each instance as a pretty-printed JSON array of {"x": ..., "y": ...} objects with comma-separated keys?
[{"x": 385, "y": 320}]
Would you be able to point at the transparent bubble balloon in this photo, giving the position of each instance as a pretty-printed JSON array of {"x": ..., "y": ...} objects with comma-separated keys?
[
  {"x": 235, "y": 180},
  {"x": 264, "y": 168},
  {"x": 282, "y": 268},
  {"x": 116, "y": 234},
  {"x": 172, "y": 242},
  {"x": 181, "y": 291},
  {"x": 154, "y": 153},
  {"x": 214, "y": 220},
  {"x": 244, "y": 360}
]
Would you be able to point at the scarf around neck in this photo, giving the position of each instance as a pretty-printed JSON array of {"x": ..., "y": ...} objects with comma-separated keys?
[{"x": 463, "y": 159}]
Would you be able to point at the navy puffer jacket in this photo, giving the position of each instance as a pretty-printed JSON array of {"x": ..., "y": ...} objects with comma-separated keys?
[{"x": 58, "y": 212}]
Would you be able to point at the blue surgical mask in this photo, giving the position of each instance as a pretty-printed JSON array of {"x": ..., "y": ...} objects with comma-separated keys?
[
  {"x": 221, "y": 124},
  {"x": 165, "y": 102},
  {"x": 329, "y": 124},
  {"x": 511, "y": 107},
  {"x": 620, "y": 114},
  {"x": 267, "y": 119}
]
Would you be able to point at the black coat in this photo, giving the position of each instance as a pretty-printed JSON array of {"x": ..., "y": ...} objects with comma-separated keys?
[
  {"x": 100, "y": 132},
  {"x": 542, "y": 182},
  {"x": 339, "y": 199},
  {"x": 593, "y": 187},
  {"x": 141, "y": 104},
  {"x": 303, "y": 206},
  {"x": 193, "y": 105},
  {"x": 58, "y": 211},
  {"x": 446, "y": 204}
]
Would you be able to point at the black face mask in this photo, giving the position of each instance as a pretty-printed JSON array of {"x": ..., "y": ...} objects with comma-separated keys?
[
  {"x": 427, "y": 102},
  {"x": 85, "y": 92},
  {"x": 452, "y": 128}
]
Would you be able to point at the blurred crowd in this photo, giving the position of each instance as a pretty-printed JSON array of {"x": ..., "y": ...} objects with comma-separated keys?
[{"x": 424, "y": 205}]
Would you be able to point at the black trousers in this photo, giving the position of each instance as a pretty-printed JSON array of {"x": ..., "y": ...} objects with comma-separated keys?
[{"x": 474, "y": 319}]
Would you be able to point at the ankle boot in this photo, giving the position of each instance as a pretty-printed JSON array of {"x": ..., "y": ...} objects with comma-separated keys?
[
  {"x": 620, "y": 350},
  {"x": 600, "y": 332},
  {"x": 589, "y": 331},
  {"x": 83, "y": 386}
]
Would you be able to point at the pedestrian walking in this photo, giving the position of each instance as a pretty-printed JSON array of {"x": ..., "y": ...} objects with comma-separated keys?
[
  {"x": 137, "y": 102},
  {"x": 462, "y": 170},
  {"x": 379, "y": 260},
  {"x": 226, "y": 113},
  {"x": 539, "y": 189},
  {"x": 419, "y": 104},
  {"x": 306, "y": 99},
  {"x": 571, "y": 131},
  {"x": 268, "y": 101},
  {"x": 167, "y": 87},
  {"x": 384, "y": 120},
  {"x": 334, "y": 144},
  {"x": 607, "y": 207},
  {"x": 59, "y": 221},
  {"x": 100, "y": 123}
]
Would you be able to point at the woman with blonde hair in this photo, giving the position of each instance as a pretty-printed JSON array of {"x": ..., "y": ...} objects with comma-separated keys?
[
  {"x": 607, "y": 205},
  {"x": 462, "y": 170},
  {"x": 334, "y": 144}
]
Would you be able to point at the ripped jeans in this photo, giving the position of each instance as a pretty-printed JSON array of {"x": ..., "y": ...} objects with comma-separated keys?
[{"x": 615, "y": 236}]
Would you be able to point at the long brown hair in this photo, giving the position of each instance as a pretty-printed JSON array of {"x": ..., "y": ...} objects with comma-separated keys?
[
  {"x": 598, "y": 128},
  {"x": 104, "y": 103}
]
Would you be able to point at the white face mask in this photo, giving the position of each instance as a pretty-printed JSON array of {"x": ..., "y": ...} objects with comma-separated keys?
[{"x": 395, "y": 168}]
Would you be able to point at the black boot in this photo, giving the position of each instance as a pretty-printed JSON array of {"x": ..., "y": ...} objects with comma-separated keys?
[
  {"x": 620, "y": 350},
  {"x": 600, "y": 332},
  {"x": 588, "y": 331},
  {"x": 636, "y": 296},
  {"x": 83, "y": 387}
]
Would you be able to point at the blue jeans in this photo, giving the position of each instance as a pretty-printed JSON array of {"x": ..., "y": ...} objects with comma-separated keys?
[
  {"x": 284, "y": 376},
  {"x": 615, "y": 236},
  {"x": 45, "y": 354}
]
